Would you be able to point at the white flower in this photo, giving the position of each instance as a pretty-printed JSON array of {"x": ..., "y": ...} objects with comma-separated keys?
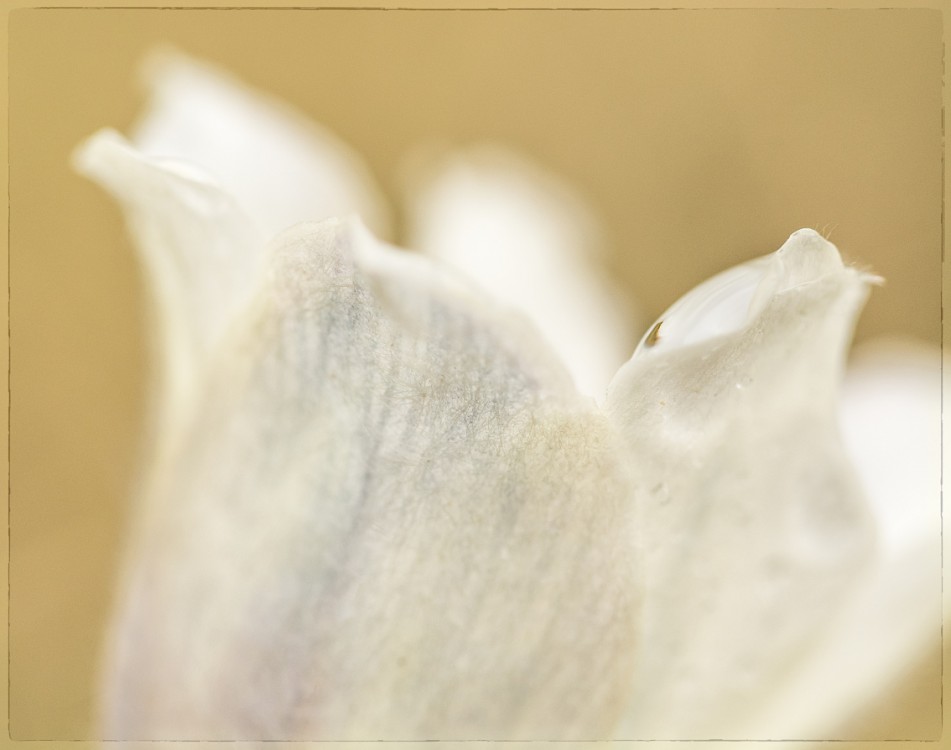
[{"x": 381, "y": 507}]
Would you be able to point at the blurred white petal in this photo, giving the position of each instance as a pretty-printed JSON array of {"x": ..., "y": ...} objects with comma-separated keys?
[
  {"x": 200, "y": 252},
  {"x": 752, "y": 524},
  {"x": 530, "y": 240},
  {"x": 890, "y": 415},
  {"x": 889, "y": 624},
  {"x": 281, "y": 167},
  {"x": 891, "y": 422}
]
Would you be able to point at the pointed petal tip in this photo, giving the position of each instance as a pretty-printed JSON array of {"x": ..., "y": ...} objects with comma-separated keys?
[
  {"x": 732, "y": 300},
  {"x": 89, "y": 154},
  {"x": 870, "y": 278},
  {"x": 109, "y": 160},
  {"x": 807, "y": 256},
  {"x": 118, "y": 166}
]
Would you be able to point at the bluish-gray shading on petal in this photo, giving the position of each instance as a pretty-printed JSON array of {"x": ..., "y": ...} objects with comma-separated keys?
[{"x": 394, "y": 518}]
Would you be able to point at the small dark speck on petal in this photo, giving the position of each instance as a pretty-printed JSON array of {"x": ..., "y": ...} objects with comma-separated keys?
[{"x": 654, "y": 335}]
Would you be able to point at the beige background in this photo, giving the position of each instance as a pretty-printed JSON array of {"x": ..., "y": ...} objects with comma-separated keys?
[{"x": 703, "y": 138}]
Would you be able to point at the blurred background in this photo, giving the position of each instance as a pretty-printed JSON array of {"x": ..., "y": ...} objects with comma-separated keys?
[{"x": 700, "y": 139}]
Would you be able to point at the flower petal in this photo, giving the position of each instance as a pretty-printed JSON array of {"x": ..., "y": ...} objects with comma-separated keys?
[
  {"x": 752, "y": 525},
  {"x": 200, "y": 253},
  {"x": 394, "y": 518},
  {"x": 891, "y": 424},
  {"x": 891, "y": 421},
  {"x": 281, "y": 167},
  {"x": 527, "y": 238}
]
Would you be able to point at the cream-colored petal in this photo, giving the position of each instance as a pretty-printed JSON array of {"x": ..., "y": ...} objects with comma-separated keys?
[
  {"x": 393, "y": 518},
  {"x": 200, "y": 253},
  {"x": 281, "y": 167},
  {"x": 887, "y": 626},
  {"x": 751, "y": 524},
  {"x": 530, "y": 240},
  {"x": 891, "y": 423}
]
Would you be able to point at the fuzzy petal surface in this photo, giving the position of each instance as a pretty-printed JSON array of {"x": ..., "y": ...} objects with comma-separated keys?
[
  {"x": 393, "y": 518},
  {"x": 752, "y": 525}
]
